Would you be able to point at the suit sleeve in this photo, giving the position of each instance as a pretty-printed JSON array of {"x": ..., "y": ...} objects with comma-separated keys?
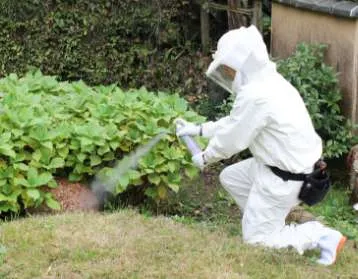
[
  {"x": 212, "y": 127},
  {"x": 237, "y": 130}
]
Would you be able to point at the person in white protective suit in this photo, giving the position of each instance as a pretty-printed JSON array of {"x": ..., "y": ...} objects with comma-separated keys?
[{"x": 270, "y": 119}]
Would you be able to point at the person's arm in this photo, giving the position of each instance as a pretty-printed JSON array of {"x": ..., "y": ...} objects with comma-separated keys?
[
  {"x": 236, "y": 132},
  {"x": 208, "y": 129}
]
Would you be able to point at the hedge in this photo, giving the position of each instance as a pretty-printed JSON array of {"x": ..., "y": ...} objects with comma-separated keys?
[{"x": 132, "y": 43}]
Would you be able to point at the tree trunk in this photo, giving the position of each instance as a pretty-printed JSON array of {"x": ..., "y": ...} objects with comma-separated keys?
[{"x": 205, "y": 27}]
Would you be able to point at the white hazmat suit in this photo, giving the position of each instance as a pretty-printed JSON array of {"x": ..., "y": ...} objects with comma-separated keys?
[{"x": 270, "y": 119}]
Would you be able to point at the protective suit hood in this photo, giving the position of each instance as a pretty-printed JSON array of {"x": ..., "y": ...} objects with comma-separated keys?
[{"x": 244, "y": 51}]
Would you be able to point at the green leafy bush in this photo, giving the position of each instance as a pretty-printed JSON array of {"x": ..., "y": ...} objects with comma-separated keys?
[
  {"x": 318, "y": 86},
  {"x": 50, "y": 128}
]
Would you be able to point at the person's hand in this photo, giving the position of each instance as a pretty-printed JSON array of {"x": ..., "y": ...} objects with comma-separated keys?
[
  {"x": 198, "y": 160},
  {"x": 185, "y": 128}
]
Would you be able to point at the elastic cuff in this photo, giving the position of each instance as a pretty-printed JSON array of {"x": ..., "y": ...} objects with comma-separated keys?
[{"x": 207, "y": 130}]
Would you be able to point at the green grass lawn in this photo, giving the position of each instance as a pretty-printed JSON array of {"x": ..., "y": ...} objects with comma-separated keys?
[
  {"x": 336, "y": 212},
  {"x": 204, "y": 200},
  {"x": 126, "y": 244},
  {"x": 199, "y": 238}
]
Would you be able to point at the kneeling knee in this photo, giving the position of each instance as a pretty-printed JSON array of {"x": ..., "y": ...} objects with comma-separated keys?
[{"x": 223, "y": 177}]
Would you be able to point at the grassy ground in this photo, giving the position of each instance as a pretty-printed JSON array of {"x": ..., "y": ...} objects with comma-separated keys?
[
  {"x": 336, "y": 212},
  {"x": 205, "y": 200},
  {"x": 200, "y": 238},
  {"x": 126, "y": 244}
]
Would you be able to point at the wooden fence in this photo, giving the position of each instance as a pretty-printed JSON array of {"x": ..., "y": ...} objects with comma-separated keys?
[{"x": 237, "y": 16}]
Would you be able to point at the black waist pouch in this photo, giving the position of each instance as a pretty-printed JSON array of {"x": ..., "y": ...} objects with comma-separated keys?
[{"x": 316, "y": 185}]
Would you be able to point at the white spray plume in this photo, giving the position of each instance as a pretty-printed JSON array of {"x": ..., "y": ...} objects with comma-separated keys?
[{"x": 108, "y": 181}]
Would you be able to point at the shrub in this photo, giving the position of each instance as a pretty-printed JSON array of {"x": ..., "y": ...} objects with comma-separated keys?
[
  {"x": 318, "y": 86},
  {"x": 50, "y": 128}
]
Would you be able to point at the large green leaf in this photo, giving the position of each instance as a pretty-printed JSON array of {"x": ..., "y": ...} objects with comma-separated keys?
[
  {"x": 191, "y": 171},
  {"x": 95, "y": 160},
  {"x": 154, "y": 178},
  {"x": 7, "y": 149},
  {"x": 63, "y": 151},
  {"x": 52, "y": 203},
  {"x": 35, "y": 179},
  {"x": 124, "y": 180},
  {"x": 5, "y": 137},
  {"x": 3, "y": 197},
  {"x": 56, "y": 163},
  {"x": 33, "y": 193},
  {"x": 37, "y": 155},
  {"x": 21, "y": 181},
  {"x": 21, "y": 166},
  {"x": 46, "y": 155}
]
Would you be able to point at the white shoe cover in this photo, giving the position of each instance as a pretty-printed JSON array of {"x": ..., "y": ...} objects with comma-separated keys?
[
  {"x": 330, "y": 245},
  {"x": 355, "y": 207}
]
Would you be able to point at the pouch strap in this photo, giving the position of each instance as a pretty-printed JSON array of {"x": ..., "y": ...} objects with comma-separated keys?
[{"x": 286, "y": 175}]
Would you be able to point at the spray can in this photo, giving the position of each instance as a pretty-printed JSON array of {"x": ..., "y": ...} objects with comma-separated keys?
[{"x": 191, "y": 144}]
